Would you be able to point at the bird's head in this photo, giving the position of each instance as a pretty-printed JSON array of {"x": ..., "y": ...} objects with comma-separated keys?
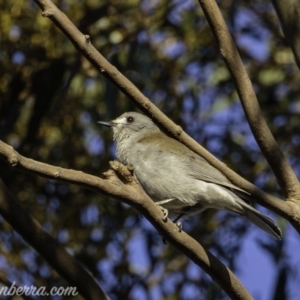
[{"x": 131, "y": 125}]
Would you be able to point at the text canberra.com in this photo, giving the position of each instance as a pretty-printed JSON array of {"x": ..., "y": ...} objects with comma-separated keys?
[{"x": 30, "y": 290}]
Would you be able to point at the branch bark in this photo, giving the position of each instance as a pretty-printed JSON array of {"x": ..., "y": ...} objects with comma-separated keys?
[{"x": 130, "y": 193}]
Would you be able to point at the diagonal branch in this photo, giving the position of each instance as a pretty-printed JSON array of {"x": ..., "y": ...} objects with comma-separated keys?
[
  {"x": 130, "y": 193},
  {"x": 269, "y": 147},
  {"x": 83, "y": 44}
]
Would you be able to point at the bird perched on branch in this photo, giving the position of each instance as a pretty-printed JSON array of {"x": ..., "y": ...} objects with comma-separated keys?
[{"x": 175, "y": 177}]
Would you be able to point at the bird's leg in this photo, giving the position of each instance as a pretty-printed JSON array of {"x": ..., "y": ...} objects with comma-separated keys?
[
  {"x": 164, "y": 201},
  {"x": 180, "y": 215},
  {"x": 164, "y": 210},
  {"x": 177, "y": 222}
]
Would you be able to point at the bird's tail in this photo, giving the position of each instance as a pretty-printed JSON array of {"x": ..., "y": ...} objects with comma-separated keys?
[{"x": 260, "y": 220}]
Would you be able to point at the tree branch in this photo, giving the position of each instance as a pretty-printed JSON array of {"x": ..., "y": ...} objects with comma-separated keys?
[
  {"x": 282, "y": 170},
  {"x": 129, "y": 192},
  {"x": 54, "y": 253},
  {"x": 83, "y": 44}
]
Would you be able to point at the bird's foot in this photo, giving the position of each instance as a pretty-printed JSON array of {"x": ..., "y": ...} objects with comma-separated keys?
[
  {"x": 164, "y": 210},
  {"x": 179, "y": 226},
  {"x": 177, "y": 222},
  {"x": 165, "y": 214}
]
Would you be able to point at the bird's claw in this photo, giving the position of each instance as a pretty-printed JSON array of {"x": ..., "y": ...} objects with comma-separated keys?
[
  {"x": 179, "y": 225},
  {"x": 165, "y": 214}
]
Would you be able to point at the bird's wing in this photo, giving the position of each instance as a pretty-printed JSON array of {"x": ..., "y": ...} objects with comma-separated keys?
[
  {"x": 198, "y": 167},
  {"x": 202, "y": 170}
]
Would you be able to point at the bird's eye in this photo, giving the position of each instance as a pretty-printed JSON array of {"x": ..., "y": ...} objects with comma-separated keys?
[{"x": 130, "y": 119}]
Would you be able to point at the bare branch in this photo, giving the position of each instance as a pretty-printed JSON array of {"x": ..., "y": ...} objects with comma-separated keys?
[
  {"x": 83, "y": 44},
  {"x": 48, "y": 247},
  {"x": 281, "y": 168},
  {"x": 130, "y": 193}
]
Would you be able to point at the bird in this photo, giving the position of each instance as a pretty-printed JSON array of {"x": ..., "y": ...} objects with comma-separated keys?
[{"x": 176, "y": 178}]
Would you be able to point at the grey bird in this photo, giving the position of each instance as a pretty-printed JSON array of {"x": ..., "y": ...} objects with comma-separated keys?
[{"x": 175, "y": 177}]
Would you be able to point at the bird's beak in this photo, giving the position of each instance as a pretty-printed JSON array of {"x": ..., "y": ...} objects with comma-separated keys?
[{"x": 108, "y": 124}]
